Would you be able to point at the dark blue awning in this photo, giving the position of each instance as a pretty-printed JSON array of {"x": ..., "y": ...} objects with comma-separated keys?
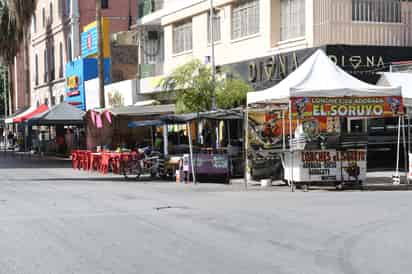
[{"x": 147, "y": 123}]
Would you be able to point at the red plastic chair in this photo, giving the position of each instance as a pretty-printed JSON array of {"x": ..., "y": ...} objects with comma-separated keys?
[
  {"x": 95, "y": 160},
  {"x": 80, "y": 159},
  {"x": 75, "y": 159},
  {"x": 105, "y": 163}
]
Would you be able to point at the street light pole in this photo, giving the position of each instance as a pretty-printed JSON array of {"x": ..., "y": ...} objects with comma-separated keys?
[
  {"x": 100, "y": 52},
  {"x": 212, "y": 45}
]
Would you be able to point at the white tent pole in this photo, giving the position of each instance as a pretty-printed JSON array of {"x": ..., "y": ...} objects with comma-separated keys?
[
  {"x": 165, "y": 141},
  {"x": 189, "y": 134},
  {"x": 405, "y": 153},
  {"x": 409, "y": 145},
  {"x": 246, "y": 141},
  {"x": 290, "y": 145},
  {"x": 283, "y": 130},
  {"x": 398, "y": 148}
]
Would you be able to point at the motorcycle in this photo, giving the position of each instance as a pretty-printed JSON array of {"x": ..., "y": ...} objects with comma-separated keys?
[{"x": 144, "y": 162}]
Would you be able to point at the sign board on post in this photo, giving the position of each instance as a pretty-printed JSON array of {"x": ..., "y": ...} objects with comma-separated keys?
[
  {"x": 89, "y": 40},
  {"x": 326, "y": 165},
  {"x": 77, "y": 73}
]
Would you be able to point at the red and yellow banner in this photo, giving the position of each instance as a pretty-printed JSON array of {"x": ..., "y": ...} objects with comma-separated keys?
[{"x": 388, "y": 106}]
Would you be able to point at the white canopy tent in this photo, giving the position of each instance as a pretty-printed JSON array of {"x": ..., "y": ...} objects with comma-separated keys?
[
  {"x": 402, "y": 79},
  {"x": 318, "y": 76}
]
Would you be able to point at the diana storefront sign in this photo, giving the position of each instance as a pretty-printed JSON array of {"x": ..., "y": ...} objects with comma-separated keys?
[
  {"x": 328, "y": 166},
  {"x": 376, "y": 107}
]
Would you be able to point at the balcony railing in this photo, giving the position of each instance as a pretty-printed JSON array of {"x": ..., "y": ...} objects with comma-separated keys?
[{"x": 341, "y": 21}]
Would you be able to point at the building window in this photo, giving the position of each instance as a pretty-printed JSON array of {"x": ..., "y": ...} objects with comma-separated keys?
[
  {"x": 105, "y": 4},
  {"x": 34, "y": 23},
  {"x": 46, "y": 68},
  {"x": 43, "y": 18},
  {"x": 216, "y": 27},
  {"x": 182, "y": 36},
  {"x": 388, "y": 11},
  {"x": 51, "y": 13},
  {"x": 46, "y": 101},
  {"x": 292, "y": 19},
  {"x": 245, "y": 18},
  {"x": 36, "y": 69},
  {"x": 61, "y": 60},
  {"x": 61, "y": 98},
  {"x": 52, "y": 64},
  {"x": 69, "y": 49}
]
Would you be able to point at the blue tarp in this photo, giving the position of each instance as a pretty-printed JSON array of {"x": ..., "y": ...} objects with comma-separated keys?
[{"x": 147, "y": 123}]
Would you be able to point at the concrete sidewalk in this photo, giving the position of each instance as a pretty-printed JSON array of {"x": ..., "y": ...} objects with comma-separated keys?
[{"x": 376, "y": 180}]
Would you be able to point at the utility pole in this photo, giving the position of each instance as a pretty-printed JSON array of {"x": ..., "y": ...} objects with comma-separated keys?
[
  {"x": 212, "y": 45},
  {"x": 4, "y": 72},
  {"x": 100, "y": 52}
]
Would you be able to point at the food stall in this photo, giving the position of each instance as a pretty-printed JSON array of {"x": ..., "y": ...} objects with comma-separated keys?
[
  {"x": 213, "y": 150},
  {"x": 311, "y": 122}
]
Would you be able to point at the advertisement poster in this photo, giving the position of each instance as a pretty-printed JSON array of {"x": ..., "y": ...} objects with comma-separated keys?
[
  {"x": 376, "y": 107},
  {"x": 410, "y": 167},
  {"x": 326, "y": 165}
]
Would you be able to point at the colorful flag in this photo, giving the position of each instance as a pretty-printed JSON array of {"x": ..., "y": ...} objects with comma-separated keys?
[
  {"x": 108, "y": 116},
  {"x": 99, "y": 122}
]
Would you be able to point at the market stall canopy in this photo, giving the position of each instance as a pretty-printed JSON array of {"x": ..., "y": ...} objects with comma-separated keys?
[
  {"x": 143, "y": 110},
  {"x": 27, "y": 114},
  {"x": 211, "y": 115},
  {"x": 19, "y": 112},
  {"x": 318, "y": 76},
  {"x": 401, "y": 79},
  {"x": 147, "y": 123},
  {"x": 62, "y": 114}
]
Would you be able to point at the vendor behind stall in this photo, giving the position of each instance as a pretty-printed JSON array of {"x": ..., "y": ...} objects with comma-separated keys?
[{"x": 158, "y": 143}]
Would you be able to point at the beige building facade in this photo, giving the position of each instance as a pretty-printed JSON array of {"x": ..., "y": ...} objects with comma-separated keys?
[
  {"x": 55, "y": 40},
  {"x": 246, "y": 30}
]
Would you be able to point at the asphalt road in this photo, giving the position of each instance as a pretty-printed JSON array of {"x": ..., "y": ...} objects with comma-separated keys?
[{"x": 56, "y": 220}]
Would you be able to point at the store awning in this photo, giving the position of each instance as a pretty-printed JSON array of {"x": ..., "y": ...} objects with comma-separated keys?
[
  {"x": 19, "y": 112},
  {"x": 148, "y": 123},
  {"x": 62, "y": 114},
  {"x": 140, "y": 111},
  {"x": 233, "y": 114},
  {"x": 27, "y": 114}
]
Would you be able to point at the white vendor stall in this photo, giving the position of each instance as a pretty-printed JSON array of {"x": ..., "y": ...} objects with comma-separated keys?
[{"x": 311, "y": 119}]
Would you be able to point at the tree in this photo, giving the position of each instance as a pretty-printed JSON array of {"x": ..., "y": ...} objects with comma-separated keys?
[
  {"x": 194, "y": 88},
  {"x": 15, "y": 20}
]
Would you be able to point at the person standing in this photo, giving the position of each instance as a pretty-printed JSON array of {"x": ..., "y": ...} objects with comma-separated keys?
[{"x": 69, "y": 140}]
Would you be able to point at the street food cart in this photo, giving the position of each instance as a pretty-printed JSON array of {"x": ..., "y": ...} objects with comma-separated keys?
[{"x": 311, "y": 121}]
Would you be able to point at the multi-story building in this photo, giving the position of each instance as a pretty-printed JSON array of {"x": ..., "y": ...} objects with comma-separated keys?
[
  {"x": 265, "y": 40},
  {"x": 362, "y": 36},
  {"x": 55, "y": 40}
]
